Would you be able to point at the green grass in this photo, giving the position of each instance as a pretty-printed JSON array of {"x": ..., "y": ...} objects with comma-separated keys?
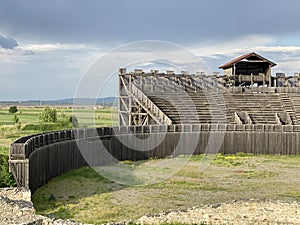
[
  {"x": 6, "y": 178},
  {"x": 31, "y": 124},
  {"x": 84, "y": 195},
  {"x": 4, "y": 150}
]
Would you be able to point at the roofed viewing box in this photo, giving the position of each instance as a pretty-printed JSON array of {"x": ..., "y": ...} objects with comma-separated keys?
[{"x": 249, "y": 69}]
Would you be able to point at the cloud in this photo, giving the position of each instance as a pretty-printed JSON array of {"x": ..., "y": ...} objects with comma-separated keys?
[
  {"x": 15, "y": 52},
  {"x": 289, "y": 49},
  {"x": 53, "y": 47},
  {"x": 242, "y": 44},
  {"x": 9, "y": 48},
  {"x": 126, "y": 21},
  {"x": 8, "y": 43}
]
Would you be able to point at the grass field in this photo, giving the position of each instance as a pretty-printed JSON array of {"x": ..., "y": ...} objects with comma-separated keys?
[
  {"x": 31, "y": 122},
  {"x": 85, "y": 196}
]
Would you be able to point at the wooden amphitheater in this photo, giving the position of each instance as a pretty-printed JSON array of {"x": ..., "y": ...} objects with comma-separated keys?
[{"x": 244, "y": 110}]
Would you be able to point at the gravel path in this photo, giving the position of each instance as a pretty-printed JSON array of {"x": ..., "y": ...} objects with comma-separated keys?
[
  {"x": 237, "y": 212},
  {"x": 16, "y": 208}
]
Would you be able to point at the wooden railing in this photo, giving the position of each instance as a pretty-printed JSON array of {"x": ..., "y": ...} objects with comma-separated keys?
[
  {"x": 249, "y": 78},
  {"x": 159, "y": 116},
  {"x": 209, "y": 82},
  {"x": 263, "y": 90}
]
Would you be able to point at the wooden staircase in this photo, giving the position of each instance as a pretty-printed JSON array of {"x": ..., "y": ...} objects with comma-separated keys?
[
  {"x": 155, "y": 112},
  {"x": 287, "y": 104}
]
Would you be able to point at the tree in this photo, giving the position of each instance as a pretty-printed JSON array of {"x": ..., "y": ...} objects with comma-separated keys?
[
  {"x": 74, "y": 121},
  {"x": 68, "y": 121},
  {"x": 49, "y": 115},
  {"x": 16, "y": 119},
  {"x": 13, "y": 109}
]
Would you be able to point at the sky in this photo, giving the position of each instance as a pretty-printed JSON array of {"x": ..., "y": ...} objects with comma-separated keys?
[{"x": 47, "y": 47}]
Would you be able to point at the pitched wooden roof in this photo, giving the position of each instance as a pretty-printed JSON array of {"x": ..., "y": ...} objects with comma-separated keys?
[{"x": 245, "y": 56}]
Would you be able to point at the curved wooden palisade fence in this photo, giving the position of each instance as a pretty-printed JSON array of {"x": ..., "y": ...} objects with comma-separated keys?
[{"x": 36, "y": 159}]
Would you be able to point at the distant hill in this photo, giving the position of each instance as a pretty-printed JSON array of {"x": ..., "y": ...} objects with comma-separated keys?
[{"x": 108, "y": 101}]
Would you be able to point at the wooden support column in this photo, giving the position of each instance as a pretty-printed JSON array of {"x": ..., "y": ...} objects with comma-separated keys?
[
  {"x": 269, "y": 75},
  {"x": 234, "y": 69},
  {"x": 130, "y": 101}
]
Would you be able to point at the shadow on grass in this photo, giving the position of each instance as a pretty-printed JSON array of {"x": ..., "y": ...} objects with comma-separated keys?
[
  {"x": 82, "y": 190},
  {"x": 56, "y": 198}
]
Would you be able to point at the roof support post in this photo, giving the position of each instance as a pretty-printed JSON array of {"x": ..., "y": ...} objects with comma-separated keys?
[
  {"x": 269, "y": 75},
  {"x": 233, "y": 69}
]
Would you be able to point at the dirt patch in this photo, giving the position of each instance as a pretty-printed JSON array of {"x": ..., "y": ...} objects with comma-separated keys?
[{"x": 237, "y": 212}]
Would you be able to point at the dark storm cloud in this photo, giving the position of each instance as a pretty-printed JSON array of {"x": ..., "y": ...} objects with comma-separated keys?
[
  {"x": 121, "y": 21},
  {"x": 11, "y": 47},
  {"x": 7, "y": 42}
]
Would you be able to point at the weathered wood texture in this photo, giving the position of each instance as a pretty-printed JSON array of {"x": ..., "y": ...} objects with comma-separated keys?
[
  {"x": 165, "y": 99},
  {"x": 45, "y": 156}
]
